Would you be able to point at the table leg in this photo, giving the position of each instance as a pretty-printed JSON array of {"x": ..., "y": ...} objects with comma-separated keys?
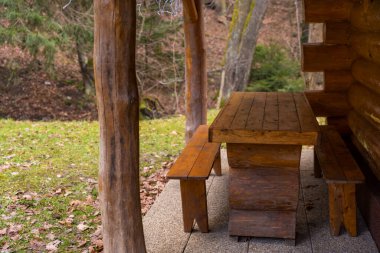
[{"x": 263, "y": 189}]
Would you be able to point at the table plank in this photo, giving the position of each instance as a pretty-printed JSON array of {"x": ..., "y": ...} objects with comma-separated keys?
[
  {"x": 274, "y": 118},
  {"x": 228, "y": 113},
  {"x": 271, "y": 121},
  {"x": 288, "y": 117},
  {"x": 306, "y": 117},
  {"x": 256, "y": 115},
  {"x": 240, "y": 120}
]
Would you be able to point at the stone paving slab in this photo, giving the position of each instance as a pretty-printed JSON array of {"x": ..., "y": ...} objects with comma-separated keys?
[{"x": 164, "y": 232}]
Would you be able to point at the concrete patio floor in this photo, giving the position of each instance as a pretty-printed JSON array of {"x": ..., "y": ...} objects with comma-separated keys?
[{"x": 164, "y": 232}]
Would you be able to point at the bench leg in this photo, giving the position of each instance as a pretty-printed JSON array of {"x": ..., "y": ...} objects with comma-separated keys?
[
  {"x": 194, "y": 204},
  {"x": 335, "y": 208},
  {"x": 317, "y": 167},
  {"x": 342, "y": 207},
  {"x": 217, "y": 166},
  {"x": 349, "y": 209}
]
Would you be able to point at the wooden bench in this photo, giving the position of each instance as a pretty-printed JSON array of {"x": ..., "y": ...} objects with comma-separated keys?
[
  {"x": 341, "y": 173},
  {"x": 193, "y": 168}
]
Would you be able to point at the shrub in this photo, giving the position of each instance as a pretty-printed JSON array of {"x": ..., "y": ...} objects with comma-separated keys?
[{"x": 274, "y": 70}]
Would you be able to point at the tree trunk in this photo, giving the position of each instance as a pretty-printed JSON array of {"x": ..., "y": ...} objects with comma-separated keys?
[
  {"x": 87, "y": 75},
  {"x": 246, "y": 22},
  {"x": 118, "y": 106},
  {"x": 195, "y": 74}
]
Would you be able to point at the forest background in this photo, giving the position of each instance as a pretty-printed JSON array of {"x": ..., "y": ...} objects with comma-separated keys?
[
  {"x": 48, "y": 129},
  {"x": 46, "y": 61}
]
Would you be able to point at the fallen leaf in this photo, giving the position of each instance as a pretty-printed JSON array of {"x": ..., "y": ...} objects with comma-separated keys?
[
  {"x": 50, "y": 236},
  {"x": 82, "y": 226},
  {"x": 3, "y": 231},
  {"x": 53, "y": 246}
]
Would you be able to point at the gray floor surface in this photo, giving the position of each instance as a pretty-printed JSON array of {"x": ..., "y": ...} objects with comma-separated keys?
[{"x": 164, "y": 232}]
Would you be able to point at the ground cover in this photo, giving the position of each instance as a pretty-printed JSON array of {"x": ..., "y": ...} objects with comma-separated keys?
[{"x": 48, "y": 180}]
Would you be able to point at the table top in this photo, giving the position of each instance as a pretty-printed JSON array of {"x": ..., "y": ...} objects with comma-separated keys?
[{"x": 265, "y": 118}]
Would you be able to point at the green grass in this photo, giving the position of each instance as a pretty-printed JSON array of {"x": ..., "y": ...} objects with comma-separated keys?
[{"x": 48, "y": 174}]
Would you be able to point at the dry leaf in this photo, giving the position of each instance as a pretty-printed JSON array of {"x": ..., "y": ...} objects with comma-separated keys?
[
  {"x": 82, "y": 227},
  {"x": 53, "y": 246}
]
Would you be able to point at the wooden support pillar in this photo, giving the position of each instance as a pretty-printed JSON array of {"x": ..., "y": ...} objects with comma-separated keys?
[
  {"x": 118, "y": 107},
  {"x": 196, "y": 75}
]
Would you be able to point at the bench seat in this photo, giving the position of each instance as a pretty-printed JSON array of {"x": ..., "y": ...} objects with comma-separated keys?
[
  {"x": 192, "y": 168},
  {"x": 341, "y": 172}
]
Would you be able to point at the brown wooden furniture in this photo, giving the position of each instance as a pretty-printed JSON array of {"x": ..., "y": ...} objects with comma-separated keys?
[
  {"x": 341, "y": 174},
  {"x": 193, "y": 168},
  {"x": 264, "y": 133}
]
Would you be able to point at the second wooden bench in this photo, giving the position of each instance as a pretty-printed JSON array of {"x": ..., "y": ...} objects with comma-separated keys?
[
  {"x": 341, "y": 173},
  {"x": 193, "y": 168}
]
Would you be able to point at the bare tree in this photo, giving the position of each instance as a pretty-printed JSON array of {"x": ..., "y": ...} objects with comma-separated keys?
[{"x": 244, "y": 29}]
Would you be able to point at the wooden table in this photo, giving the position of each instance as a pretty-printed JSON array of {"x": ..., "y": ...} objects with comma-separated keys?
[{"x": 264, "y": 133}]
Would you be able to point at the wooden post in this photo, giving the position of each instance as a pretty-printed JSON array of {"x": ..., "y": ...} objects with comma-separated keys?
[
  {"x": 196, "y": 75},
  {"x": 118, "y": 107}
]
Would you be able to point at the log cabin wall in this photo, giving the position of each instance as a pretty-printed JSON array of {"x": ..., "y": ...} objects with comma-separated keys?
[{"x": 349, "y": 56}]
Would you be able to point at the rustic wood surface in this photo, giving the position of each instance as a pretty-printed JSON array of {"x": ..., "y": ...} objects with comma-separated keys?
[
  {"x": 319, "y": 57},
  {"x": 118, "y": 106},
  {"x": 194, "y": 204},
  {"x": 368, "y": 74},
  {"x": 336, "y": 161},
  {"x": 264, "y": 188},
  {"x": 367, "y": 45},
  {"x": 325, "y": 104},
  {"x": 337, "y": 33},
  {"x": 338, "y": 80},
  {"x": 366, "y": 103},
  {"x": 365, "y": 16},
  {"x": 242, "y": 155},
  {"x": 265, "y": 118},
  {"x": 195, "y": 63},
  {"x": 368, "y": 135},
  {"x": 197, "y": 158},
  {"x": 280, "y": 224},
  {"x": 323, "y": 11}
]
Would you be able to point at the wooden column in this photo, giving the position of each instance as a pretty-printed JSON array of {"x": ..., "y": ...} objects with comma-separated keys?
[
  {"x": 118, "y": 107},
  {"x": 196, "y": 75}
]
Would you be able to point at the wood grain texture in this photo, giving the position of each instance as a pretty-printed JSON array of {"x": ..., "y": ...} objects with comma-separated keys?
[
  {"x": 366, "y": 103},
  {"x": 318, "y": 57},
  {"x": 365, "y": 16},
  {"x": 368, "y": 136},
  {"x": 349, "y": 207},
  {"x": 368, "y": 74},
  {"x": 264, "y": 188},
  {"x": 335, "y": 159},
  {"x": 335, "y": 208},
  {"x": 325, "y": 104},
  {"x": 195, "y": 67},
  {"x": 367, "y": 45},
  {"x": 338, "y": 80},
  {"x": 323, "y": 11},
  {"x": 194, "y": 204},
  {"x": 118, "y": 107},
  {"x": 251, "y": 155},
  {"x": 279, "y": 224},
  {"x": 261, "y": 124},
  {"x": 197, "y": 158},
  {"x": 342, "y": 208},
  {"x": 337, "y": 33}
]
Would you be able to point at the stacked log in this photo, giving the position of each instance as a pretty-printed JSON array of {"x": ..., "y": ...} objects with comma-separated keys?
[
  {"x": 351, "y": 69},
  {"x": 334, "y": 57}
]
